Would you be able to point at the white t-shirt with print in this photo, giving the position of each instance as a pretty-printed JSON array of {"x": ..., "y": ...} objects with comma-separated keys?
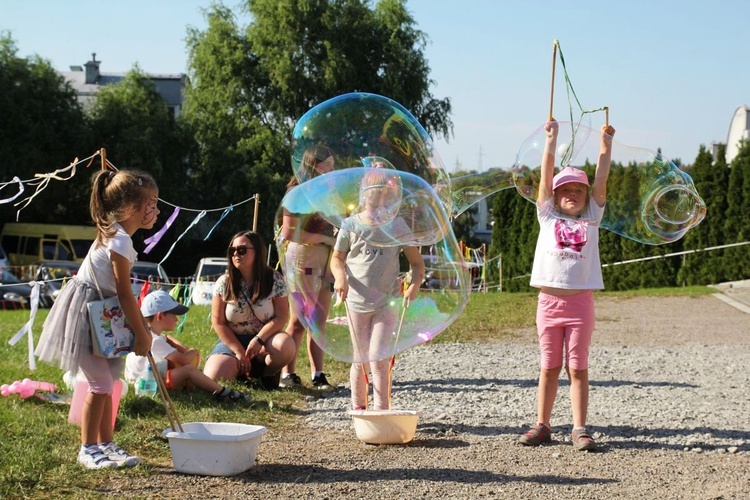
[
  {"x": 99, "y": 256},
  {"x": 567, "y": 250}
]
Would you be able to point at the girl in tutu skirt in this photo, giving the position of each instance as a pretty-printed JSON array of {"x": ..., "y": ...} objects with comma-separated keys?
[{"x": 121, "y": 203}]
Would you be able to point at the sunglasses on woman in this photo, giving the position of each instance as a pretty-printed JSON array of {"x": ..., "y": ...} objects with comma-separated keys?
[{"x": 240, "y": 250}]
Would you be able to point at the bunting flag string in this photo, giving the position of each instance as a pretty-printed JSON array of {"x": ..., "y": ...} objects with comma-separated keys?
[
  {"x": 41, "y": 181},
  {"x": 228, "y": 209},
  {"x": 20, "y": 190},
  {"x": 152, "y": 240},
  {"x": 195, "y": 221}
]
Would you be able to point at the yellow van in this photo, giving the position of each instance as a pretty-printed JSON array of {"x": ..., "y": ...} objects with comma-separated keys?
[{"x": 26, "y": 243}]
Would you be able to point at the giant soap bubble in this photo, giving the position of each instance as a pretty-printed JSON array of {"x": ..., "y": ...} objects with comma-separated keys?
[
  {"x": 385, "y": 182},
  {"x": 412, "y": 215},
  {"x": 359, "y": 125},
  {"x": 649, "y": 199}
]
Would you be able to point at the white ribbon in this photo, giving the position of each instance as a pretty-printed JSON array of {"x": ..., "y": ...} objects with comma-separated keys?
[
  {"x": 20, "y": 190},
  {"x": 34, "y": 298}
]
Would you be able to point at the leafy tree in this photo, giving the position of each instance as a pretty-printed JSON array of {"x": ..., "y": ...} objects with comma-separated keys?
[
  {"x": 249, "y": 87},
  {"x": 738, "y": 214},
  {"x": 705, "y": 268},
  {"x": 41, "y": 130},
  {"x": 132, "y": 121}
]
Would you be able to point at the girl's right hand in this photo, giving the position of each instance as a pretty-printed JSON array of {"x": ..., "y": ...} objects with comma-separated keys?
[{"x": 341, "y": 287}]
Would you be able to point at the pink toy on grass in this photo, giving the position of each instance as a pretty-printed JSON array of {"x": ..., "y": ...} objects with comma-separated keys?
[{"x": 26, "y": 388}]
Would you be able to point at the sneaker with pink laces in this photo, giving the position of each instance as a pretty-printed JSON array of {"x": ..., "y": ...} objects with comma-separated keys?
[{"x": 538, "y": 434}]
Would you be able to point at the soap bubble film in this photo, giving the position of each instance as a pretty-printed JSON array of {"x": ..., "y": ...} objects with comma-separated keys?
[
  {"x": 649, "y": 199},
  {"x": 359, "y": 126},
  {"x": 336, "y": 199}
]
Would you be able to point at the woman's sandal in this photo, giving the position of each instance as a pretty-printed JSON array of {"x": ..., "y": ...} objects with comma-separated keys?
[{"x": 582, "y": 440}]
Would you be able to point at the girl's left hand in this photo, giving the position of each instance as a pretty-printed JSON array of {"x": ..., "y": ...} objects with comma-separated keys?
[{"x": 141, "y": 346}]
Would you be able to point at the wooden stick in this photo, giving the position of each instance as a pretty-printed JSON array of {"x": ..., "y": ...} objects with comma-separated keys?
[
  {"x": 255, "y": 213},
  {"x": 166, "y": 400},
  {"x": 552, "y": 86},
  {"x": 103, "y": 153},
  {"x": 606, "y": 114}
]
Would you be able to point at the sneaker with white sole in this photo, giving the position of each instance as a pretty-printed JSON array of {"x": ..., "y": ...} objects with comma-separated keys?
[
  {"x": 290, "y": 381},
  {"x": 93, "y": 458},
  {"x": 321, "y": 382},
  {"x": 119, "y": 456}
]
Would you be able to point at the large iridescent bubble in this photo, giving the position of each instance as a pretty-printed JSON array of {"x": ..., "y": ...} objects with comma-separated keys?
[
  {"x": 649, "y": 199},
  {"x": 412, "y": 215},
  {"x": 359, "y": 125}
]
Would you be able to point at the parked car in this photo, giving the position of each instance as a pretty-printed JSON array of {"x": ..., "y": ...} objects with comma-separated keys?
[
  {"x": 206, "y": 274},
  {"x": 14, "y": 293},
  {"x": 53, "y": 273},
  {"x": 3, "y": 258},
  {"x": 152, "y": 272}
]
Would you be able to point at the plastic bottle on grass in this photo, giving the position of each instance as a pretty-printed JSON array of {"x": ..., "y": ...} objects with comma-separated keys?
[{"x": 146, "y": 384}]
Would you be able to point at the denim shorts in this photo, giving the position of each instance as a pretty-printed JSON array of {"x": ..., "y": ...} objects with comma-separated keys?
[{"x": 257, "y": 365}]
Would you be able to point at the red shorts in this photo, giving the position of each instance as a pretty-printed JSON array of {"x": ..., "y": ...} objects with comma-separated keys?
[
  {"x": 168, "y": 380},
  {"x": 565, "y": 323}
]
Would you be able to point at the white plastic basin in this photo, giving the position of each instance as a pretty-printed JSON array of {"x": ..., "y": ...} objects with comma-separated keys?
[
  {"x": 214, "y": 448},
  {"x": 385, "y": 426}
]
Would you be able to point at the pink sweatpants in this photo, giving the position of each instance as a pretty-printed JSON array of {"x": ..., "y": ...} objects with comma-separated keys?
[{"x": 565, "y": 322}]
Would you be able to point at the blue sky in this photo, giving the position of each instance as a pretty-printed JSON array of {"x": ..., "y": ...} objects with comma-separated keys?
[{"x": 671, "y": 72}]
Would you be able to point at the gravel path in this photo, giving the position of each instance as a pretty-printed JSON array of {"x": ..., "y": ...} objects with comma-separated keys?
[{"x": 669, "y": 405}]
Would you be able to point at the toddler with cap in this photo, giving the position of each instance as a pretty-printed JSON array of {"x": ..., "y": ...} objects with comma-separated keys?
[
  {"x": 178, "y": 364},
  {"x": 566, "y": 270}
]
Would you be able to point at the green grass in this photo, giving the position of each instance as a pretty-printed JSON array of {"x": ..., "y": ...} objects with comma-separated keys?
[{"x": 39, "y": 446}]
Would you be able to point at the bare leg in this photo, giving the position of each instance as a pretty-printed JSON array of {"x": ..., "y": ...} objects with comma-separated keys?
[
  {"x": 295, "y": 329},
  {"x": 579, "y": 396},
  {"x": 548, "y": 383},
  {"x": 91, "y": 417},
  {"x": 221, "y": 367},
  {"x": 189, "y": 373},
  {"x": 314, "y": 352},
  {"x": 280, "y": 349}
]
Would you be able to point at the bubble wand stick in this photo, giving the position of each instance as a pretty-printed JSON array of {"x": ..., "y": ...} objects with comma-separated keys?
[{"x": 552, "y": 86}]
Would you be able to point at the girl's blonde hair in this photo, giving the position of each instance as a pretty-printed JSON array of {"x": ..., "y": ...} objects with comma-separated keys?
[{"x": 115, "y": 195}]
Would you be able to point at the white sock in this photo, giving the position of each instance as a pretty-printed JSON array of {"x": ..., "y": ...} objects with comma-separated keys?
[
  {"x": 317, "y": 374},
  {"x": 287, "y": 375}
]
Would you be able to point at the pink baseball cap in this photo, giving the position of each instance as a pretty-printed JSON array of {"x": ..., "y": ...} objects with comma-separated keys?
[{"x": 569, "y": 174}]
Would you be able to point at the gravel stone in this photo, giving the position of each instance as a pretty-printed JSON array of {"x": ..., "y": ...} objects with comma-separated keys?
[{"x": 669, "y": 408}]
